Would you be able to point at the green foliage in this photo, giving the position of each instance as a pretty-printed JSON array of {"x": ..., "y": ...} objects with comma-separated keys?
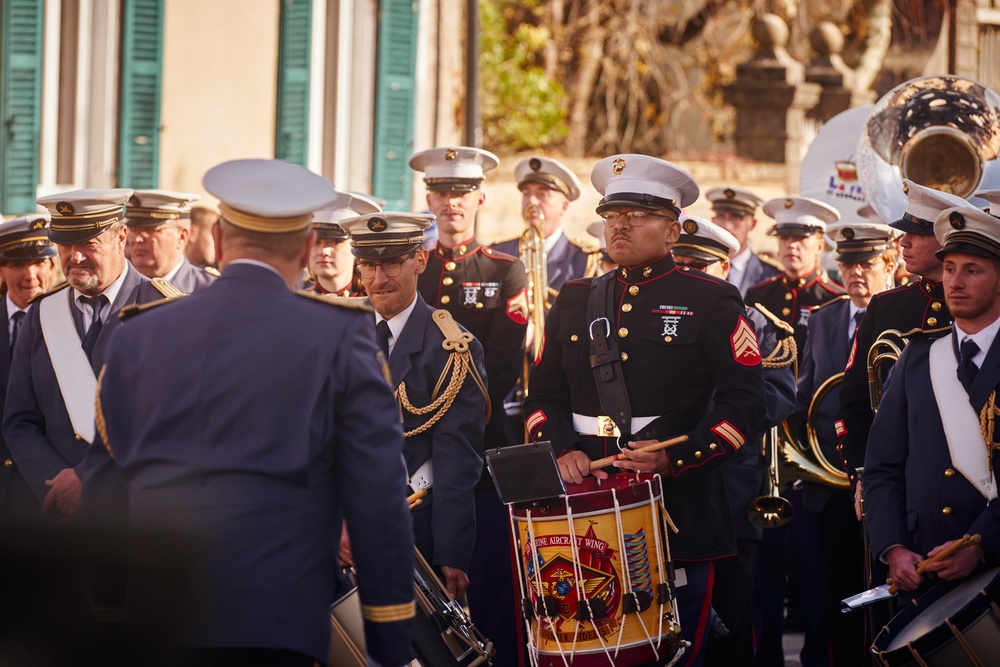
[{"x": 522, "y": 108}]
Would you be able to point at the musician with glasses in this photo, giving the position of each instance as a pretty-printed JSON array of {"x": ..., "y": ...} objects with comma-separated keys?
[
  {"x": 680, "y": 359},
  {"x": 932, "y": 476},
  {"x": 159, "y": 227}
]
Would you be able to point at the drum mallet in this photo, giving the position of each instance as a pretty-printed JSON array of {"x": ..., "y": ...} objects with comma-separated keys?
[{"x": 956, "y": 546}]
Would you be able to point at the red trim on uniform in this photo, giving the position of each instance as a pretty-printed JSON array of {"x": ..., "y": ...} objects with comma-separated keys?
[
  {"x": 743, "y": 341},
  {"x": 541, "y": 350},
  {"x": 730, "y": 434},
  {"x": 706, "y": 605},
  {"x": 854, "y": 349},
  {"x": 840, "y": 428},
  {"x": 517, "y": 307},
  {"x": 535, "y": 421}
]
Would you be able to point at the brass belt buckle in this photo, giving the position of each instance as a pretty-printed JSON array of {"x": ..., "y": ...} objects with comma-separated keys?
[{"x": 607, "y": 428}]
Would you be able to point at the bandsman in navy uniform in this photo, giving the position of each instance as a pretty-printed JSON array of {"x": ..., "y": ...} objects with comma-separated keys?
[
  {"x": 27, "y": 268},
  {"x": 708, "y": 247},
  {"x": 331, "y": 264},
  {"x": 296, "y": 431},
  {"x": 993, "y": 197},
  {"x": 791, "y": 295},
  {"x": 49, "y": 413},
  {"x": 484, "y": 290},
  {"x": 548, "y": 186},
  {"x": 200, "y": 249},
  {"x": 916, "y": 306},
  {"x": 867, "y": 265},
  {"x": 159, "y": 224},
  {"x": 431, "y": 357},
  {"x": 735, "y": 210},
  {"x": 604, "y": 262},
  {"x": 686, "y": 360},
  {"x": 932, "y": 478}
]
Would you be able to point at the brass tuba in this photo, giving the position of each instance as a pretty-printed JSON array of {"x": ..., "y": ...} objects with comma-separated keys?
[{"x": 942, "y": 132}]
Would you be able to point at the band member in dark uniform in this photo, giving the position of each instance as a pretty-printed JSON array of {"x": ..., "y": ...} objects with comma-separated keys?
[
  {"x": 799, "y": 226},
  {"x": 735, "y": 210},
  {"x": 484, "y": 290},
  {"x": 932, "y": 476},
  {"x": 687, "y": 362},
  {"x": 331, "y": 264}
]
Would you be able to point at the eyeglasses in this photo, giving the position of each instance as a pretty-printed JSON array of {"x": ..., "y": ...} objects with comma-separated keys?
[
  {"x": 697, "y": 265},
  {"x": 632, "y": 218},
  {"x": 390, "y": 267},
  {"x": 149, "y": 232}
]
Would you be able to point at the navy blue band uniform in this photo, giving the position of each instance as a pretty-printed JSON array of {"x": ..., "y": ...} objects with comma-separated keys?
[
  {"x": 684, "y": 341},
  {"x": 485, "y": 292},
  {"x": 793, "y": 300},
  {"x": 919, "y": 306}
]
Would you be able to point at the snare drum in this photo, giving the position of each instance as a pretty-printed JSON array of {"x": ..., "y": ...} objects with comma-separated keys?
[
  {"x": 596, "y": 576},
  {"x": 952, "y": 625}
]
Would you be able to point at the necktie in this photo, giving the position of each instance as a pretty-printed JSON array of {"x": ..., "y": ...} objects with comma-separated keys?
[
  {"x": 18, "y": 319},
  {"x": 858, "y": 316},
  {"x": 966, "y": 368},
  {"x": 96, "y": 303},
  {"x": 384, "y": 333}
]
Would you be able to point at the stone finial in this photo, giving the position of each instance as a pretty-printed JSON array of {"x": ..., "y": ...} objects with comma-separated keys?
[
  {"x": 772, "y": 60},
  {"x": 828, "y": 67}
]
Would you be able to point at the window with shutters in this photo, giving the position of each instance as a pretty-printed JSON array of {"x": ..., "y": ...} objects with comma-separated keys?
[
  {"x": 139, "y": 100},
  {"x": 20, "y": 102},
  {"x": 291, "y": 141},
  {"x": 395, "y": 102}
]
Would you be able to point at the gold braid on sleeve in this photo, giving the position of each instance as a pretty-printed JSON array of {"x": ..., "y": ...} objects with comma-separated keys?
[
  {"x": 460, "y": 364},
  {"x": 786, "y": 351}
]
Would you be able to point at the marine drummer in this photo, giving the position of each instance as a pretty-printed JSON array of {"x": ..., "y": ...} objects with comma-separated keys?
[
  {"x": 676, "y": 340},
  {"x": 932, "y": 477}
]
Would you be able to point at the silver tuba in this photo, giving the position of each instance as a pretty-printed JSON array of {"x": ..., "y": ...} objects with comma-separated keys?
[{"x": 940, "y": 131}]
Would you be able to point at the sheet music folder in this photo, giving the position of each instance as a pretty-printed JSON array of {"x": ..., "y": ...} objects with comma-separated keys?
[{"x": 525, "y": 475}]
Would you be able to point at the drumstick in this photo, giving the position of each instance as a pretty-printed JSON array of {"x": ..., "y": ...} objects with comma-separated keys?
[
  {"x": 655, "y": 447},
  {"x": 415, "y": 499},
  {"x": 954, "y": 547}
]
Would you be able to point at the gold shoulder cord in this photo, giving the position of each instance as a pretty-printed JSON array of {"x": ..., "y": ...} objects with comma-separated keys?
[
  {"x": 102, "y": 426},
  {"x": 460, "y": 363},
  {"x": 786, "y": 351},
  {"x": 166, "y": 288},
  {"x": 987, "y": 424}
]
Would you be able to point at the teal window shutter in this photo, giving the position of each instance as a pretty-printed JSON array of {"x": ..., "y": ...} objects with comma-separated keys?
[
  {"x": 291, "y": 142},
  {"x": 20, "y": 102},
  {"x": 395, "y": 93},
  {"x": 139, "y": 98}
]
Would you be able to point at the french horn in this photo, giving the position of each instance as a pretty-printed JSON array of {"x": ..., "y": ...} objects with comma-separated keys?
[{"x": 942, "y": 132}]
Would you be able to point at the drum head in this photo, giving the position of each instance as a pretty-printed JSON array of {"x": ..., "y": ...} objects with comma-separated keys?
[{"x": 944, "y": 607}]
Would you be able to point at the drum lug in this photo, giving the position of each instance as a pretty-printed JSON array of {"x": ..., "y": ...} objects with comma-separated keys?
[
  {"x": 584, "y": 607},
  {"x": 637, "y": 601},
  {"x": 665, "y": 592},
  {"x": 545, "y": 606}
]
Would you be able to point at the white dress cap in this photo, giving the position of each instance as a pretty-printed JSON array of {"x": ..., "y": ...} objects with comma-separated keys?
[
  {"x": 923, "y": 205},
  {"x": 859, "y": 241},
  {"x": 80, "y": 215},
  {"x": 799, "y": 216},
  {"x": 644, "y": 182},
  {"x": 269, "y": 196},
  {"x": 968, "y": 230},
  {"x": 346, "y": 205},
  {"x": 461, "y": 166},
  {"x": 551, "y": 173},
  {"x": 734, "y": 199},
  {"x": 26, "y": 238},
  {"x": 596, "y": 229},
  {"x": 993, "y": 197},
  {"x": 704, "y": 240}
]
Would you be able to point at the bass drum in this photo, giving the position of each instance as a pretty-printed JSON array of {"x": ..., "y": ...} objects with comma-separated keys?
[{"x": 954, "y": 624}]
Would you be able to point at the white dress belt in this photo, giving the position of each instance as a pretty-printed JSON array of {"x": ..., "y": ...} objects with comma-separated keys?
[{"x": 603, "y": 426}]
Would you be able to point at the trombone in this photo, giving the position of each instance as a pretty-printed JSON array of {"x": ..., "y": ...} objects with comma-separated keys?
[{"x": 532, "y": 247}]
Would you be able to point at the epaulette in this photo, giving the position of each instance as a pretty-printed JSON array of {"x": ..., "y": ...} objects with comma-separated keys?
[
  {"x": 770, "y": 261},
  {"x": 836, "y": 299},
  {"x": 61, "y": 286},
  {"x": 350, "y": 302},
  {"x": 455, "y": 340},
  {"x": 778, "y": 323},
  {"x": 129, "y": 312},
  {"x": 497, "y": 254},
  {"x": 166, "y": 288},
  {"x": 586, "y": 245},
  {"x": 212, "y": 271},
  {"x": 768, "y": 281}
]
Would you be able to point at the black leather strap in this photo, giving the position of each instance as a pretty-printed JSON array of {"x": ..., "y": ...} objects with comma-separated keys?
[{"x": 605, "y": 359}]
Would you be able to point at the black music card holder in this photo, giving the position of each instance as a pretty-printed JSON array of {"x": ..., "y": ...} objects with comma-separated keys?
[{"x": 526, "y": 475}]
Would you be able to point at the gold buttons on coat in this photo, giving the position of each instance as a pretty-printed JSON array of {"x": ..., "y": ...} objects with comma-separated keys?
[
  {"x": 786, "y": 311},
  {"x": 623, "y": 333},
  {"x": 479, "y": 304},
  {"x": 445, "y": 299},
  {"x": 447, "y": 281},
  {"x": 946, "y": 511},
  {"x": 624, "y": 356},
  {"x": 936, "y": 305},
  {"x": 668, "y": 339},
  {"x": 633, "y": 290},
  {"x": 949, "y": 473},
  {"x": 788, "y": 296},
  {"x": 679, "y": 463},
  {"x": 931, "y": 321},
  {"x": 450, "y": 266},
  {"x": 7, "y": 463},
  {"x": 627, "y": 308},
  {"x": 697, "y": 455},
  {"x": 574, "y": 338},
  {"x": 462, "y": 249},
  {"x": 713, "y": 446}
]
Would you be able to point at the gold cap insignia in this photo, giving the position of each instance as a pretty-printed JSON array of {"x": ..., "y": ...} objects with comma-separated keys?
[
  {"x": 956, "y": 219},
  {"x": 730, "y": 193},
  {"x": 535, "y": 164},
  {"x": 618, "y": 166},
  {"x": 38, "y": 224},
  {"x": 450, "y": 154},
  {"x": 906, "y": 189},
  {"x": 848, "y": 234},
  {"x": 65, "y": 208},
  {"x": 789, "y": 203},
  {"x": 377, "y": 225},
  {"x": 690, "y": 227}
]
